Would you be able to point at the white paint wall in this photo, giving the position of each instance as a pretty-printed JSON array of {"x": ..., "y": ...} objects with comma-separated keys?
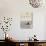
[
  {"x": 13, "y": 8},
  {"x": 39, "y": 23}
]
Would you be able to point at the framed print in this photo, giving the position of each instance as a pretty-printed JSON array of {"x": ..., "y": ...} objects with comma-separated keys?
[{"x": 26, "y": 21}]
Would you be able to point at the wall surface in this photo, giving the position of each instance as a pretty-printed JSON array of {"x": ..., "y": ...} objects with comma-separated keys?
[{"x": 14, "y": 8}]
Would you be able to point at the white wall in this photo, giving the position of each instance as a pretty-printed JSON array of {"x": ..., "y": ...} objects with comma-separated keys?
[
  {"x": 13, "y": 8},
  {"x": 39, "y": 23}
]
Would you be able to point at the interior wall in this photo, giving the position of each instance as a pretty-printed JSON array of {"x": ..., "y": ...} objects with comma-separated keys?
[{"x": 14, "y": 8}]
